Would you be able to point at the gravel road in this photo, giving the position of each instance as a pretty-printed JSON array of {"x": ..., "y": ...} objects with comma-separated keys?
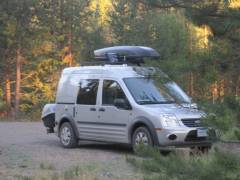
[{"x": 26, "y": 150}]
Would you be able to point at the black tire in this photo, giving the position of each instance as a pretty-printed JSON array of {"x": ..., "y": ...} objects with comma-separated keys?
[
  {"x": 165, "y": 152},
  {"x": 200, "y": 150},
  {"x": 205, "y": 149},
  {"x": 146, "y": 138},
  {"x": 67, "y": 136}
]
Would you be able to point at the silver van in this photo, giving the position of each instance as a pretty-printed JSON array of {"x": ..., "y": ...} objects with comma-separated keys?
[{"x": 121, "y": 102}]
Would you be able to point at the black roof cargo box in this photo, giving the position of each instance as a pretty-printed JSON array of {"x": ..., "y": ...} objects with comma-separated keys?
[{"x": 127, "y": 54}]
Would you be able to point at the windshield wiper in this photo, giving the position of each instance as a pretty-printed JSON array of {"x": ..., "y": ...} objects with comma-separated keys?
[
  {"x": 168, "y": 102},
  {"x": 155, "y": 102}
]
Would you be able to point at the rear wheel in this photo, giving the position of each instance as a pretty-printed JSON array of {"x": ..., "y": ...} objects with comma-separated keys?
[
  {"x": 141, "y": 137},
  {"x": 67, "y": 136}
]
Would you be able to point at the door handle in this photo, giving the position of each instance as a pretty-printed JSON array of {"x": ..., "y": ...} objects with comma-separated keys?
[
  {"x": 101, "y": 109},
  {"x": 74, "y": 112},
  {"x": 92, "y": 109}
]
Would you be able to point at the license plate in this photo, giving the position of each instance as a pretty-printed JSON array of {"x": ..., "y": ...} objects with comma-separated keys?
[{"x": 202, "y": 132}]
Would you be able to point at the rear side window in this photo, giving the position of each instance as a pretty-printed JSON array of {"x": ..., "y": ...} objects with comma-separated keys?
[
  {"x": 87, "y": 93},
  {"x": 111, "y": 91}
]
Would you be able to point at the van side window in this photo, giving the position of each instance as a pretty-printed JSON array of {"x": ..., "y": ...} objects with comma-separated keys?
[
  {"x": 111, "y": 91},
  {"x": 87, "y": 93}
]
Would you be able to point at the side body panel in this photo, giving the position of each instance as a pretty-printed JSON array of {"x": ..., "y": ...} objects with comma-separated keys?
[{"x": 103, "y": 123}]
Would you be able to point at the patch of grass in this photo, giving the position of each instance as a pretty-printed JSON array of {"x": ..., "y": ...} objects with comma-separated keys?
[
  {"x": 215, "y": 166},
  {"x": 85, "y": 172},
  {"x": 45, "y": 166},
  {"x": 79, "y": 172},
  {"x": 20, "y": 177}
]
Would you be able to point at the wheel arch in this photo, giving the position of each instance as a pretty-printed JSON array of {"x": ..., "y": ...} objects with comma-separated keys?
[
  {"x": 71, "y": 121},
  {"x": 142, "y": 121}
]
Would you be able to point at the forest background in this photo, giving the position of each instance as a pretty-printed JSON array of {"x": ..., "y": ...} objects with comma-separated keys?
[{"x": 199, "y": 44}]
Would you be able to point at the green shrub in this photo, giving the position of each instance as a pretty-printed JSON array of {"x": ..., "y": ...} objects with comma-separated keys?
[
  {"x": 224, "y": 117},
  {"x": 215, "y": 165}
]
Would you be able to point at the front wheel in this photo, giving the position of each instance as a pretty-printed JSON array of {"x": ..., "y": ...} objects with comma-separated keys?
[
  {"x": 67, "y": 136},
  {"x": 141, "y": 137},
  {"x": 200, "y": 150}
]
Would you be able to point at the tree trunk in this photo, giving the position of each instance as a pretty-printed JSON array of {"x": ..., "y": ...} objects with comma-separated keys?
[
  {"x": 191, "y": 84},
  {"x": 70, "y": 50},
  {"x": 205, "y": 37},
  {"x": 18, "y": 82},
  {"x": 71, "y": 35},
  {"x": 62, "y": 20},
  {"x": 7, "y": 75},
  {"x": 8, "y": 95},
  {"x": 191, "y": 78},
  {"x": 62, "y": 11},
  {"x": 214, "y": 92},
  {"x": 237, "y": 91}
]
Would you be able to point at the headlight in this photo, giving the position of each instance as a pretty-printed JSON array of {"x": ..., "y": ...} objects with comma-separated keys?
[{"x": 169, "y": 120}]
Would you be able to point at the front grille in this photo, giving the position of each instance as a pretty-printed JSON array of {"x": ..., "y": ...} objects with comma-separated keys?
[
  {"x": 192, "y": 122},
  {"x": 192, "y": 136}
]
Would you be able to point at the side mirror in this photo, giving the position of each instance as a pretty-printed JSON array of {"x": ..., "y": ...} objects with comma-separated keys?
[
  {"x": 194, "y": 106},
  {"x": 122, "y": 104}
]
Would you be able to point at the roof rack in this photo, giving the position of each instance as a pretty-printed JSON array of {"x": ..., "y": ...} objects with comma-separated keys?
[
  {"x": 124, "y": 55},
  {"x": 101, "y": 63}
]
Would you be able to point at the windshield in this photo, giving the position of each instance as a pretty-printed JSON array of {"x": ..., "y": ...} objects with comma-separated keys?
[
  {"x": 167, "y": 89},
  {"x": 145, "y": 91},
  {"x": 177, "y": 93}
]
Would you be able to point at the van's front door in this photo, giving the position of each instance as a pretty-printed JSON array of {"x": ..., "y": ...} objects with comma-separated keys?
[
  {"x": 113, "y": 121},
  {"x": 86, "y": 110}
]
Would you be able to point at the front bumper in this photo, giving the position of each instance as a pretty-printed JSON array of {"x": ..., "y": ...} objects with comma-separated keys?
[{"x": 186, "y": 137}]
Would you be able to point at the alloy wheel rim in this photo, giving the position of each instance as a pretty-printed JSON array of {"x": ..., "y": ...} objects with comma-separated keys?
[
  {"x": 141, "y": 139},
  {"x": 65, "y": 136}
]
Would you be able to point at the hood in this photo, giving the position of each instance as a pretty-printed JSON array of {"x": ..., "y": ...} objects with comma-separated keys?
[{"x": 179, "y": 111}]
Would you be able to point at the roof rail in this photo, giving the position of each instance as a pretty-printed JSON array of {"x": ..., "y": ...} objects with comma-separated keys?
[{"x": 101, "y": 63}]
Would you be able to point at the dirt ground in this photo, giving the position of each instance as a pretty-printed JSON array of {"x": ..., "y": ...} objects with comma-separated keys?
[{"x": 27, "y": 151}]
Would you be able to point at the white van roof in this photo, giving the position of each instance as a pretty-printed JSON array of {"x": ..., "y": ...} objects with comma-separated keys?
[{"x": 105, "y": 70}]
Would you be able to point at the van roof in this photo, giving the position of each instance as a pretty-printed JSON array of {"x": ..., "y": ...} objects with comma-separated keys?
[{"x": 117, "y": 71}]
